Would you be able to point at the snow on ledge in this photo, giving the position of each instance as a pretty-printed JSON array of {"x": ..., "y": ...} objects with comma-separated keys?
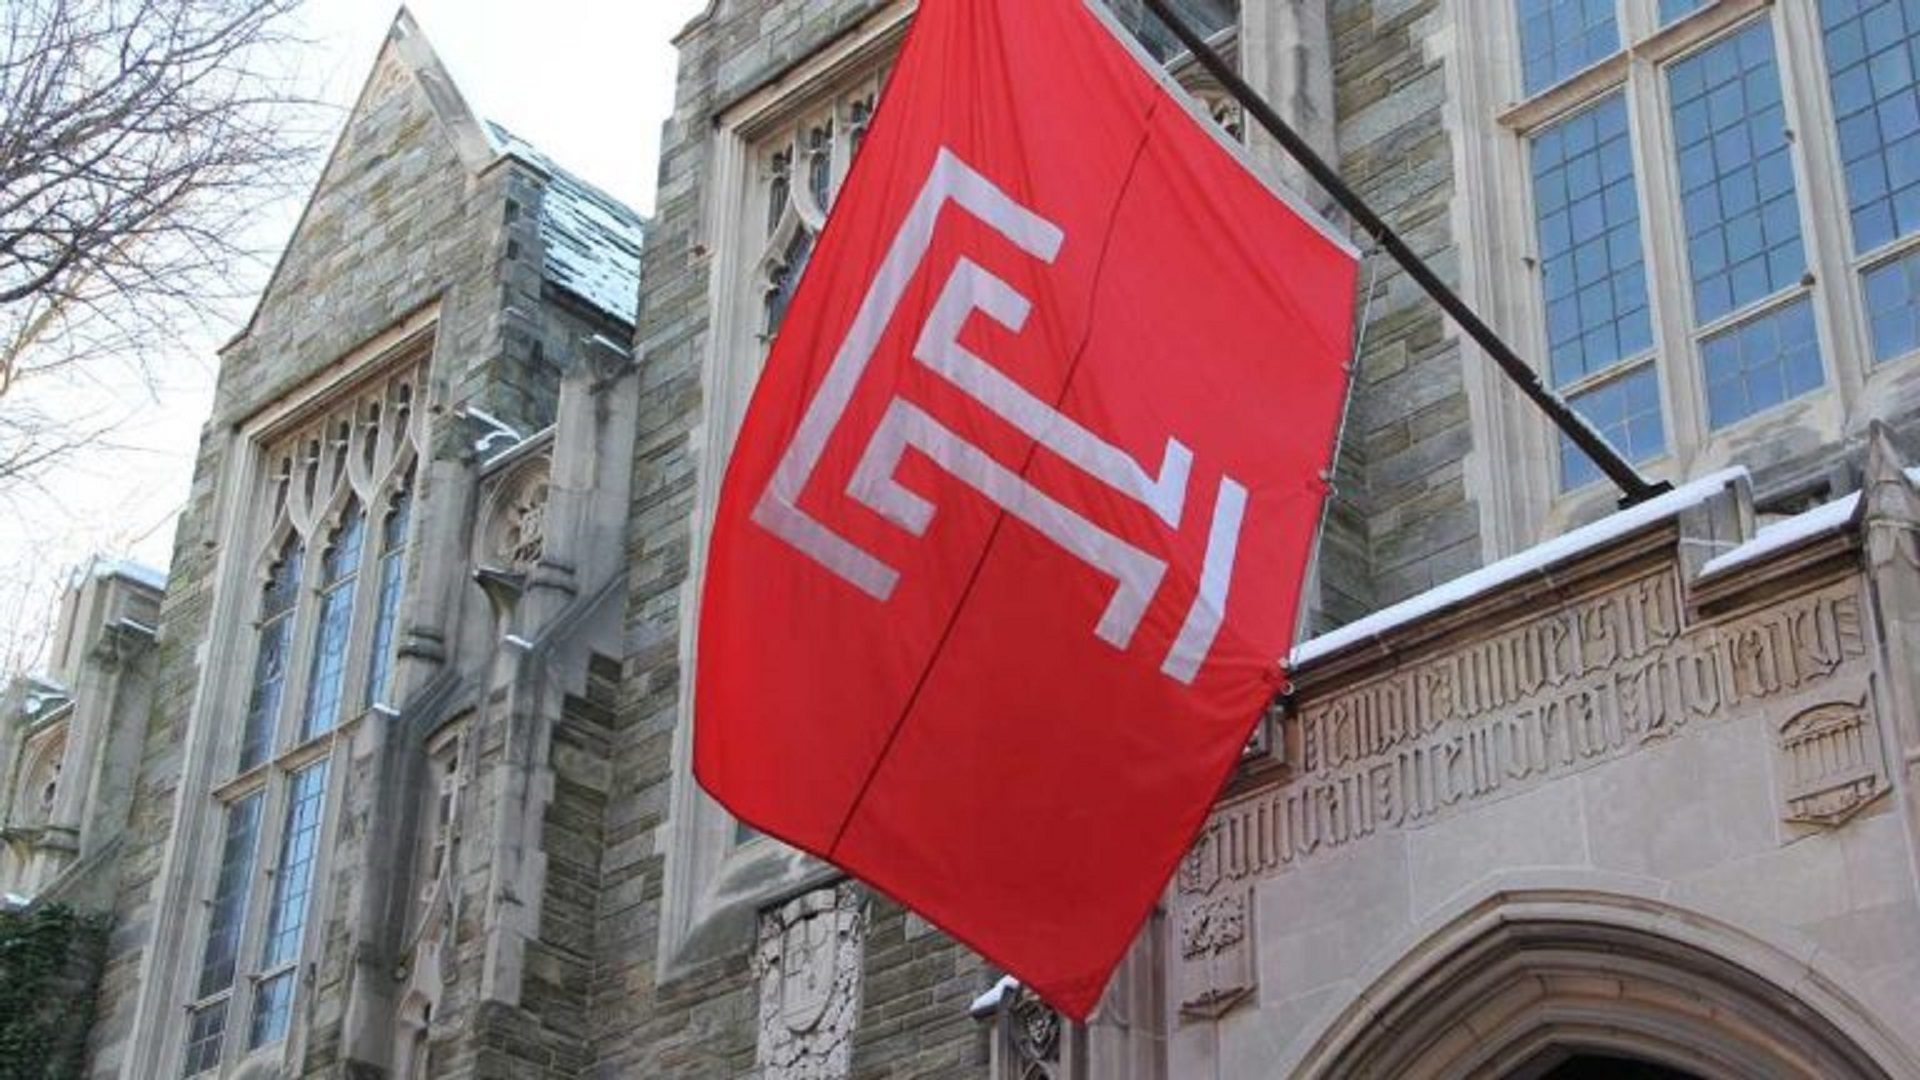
[
  {"x": 1792, "y": 532},
  {"x": 995, "y": 994},
  {"x": 1524, "y": 564},
  {"x": 139, "y": 573}
]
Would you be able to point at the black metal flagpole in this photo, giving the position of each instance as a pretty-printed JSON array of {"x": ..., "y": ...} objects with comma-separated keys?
[{"x": 1635, "y": 487}]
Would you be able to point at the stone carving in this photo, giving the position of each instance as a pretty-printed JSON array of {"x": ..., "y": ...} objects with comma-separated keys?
[
  {"x": 808, "y": 966},
  {"x": 1553, "y": 695},
  {"x": 520, "y": 535},
  {"x": 1216, "y": 954},
  {"x": 1831, "y": 762},
  {"x": 1030, "y": 1033}
]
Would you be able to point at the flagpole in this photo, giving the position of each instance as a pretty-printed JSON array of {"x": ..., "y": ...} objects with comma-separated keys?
[{"x": 1635, "y": 487}]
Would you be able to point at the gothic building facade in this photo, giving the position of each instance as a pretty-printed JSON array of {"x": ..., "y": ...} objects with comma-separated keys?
[{"x": 1557, "y": 789}]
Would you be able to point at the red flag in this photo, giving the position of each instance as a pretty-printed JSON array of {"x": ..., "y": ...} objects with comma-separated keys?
[{"x": 1014, "y": 531}]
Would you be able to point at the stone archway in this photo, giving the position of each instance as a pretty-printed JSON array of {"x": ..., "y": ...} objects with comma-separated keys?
[{"x": 1522, "y": 986}]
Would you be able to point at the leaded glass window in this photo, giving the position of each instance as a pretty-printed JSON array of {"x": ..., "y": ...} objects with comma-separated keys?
[
  {"x": 803, "y": 168},
  {"x": 1742, "y": 223},
  {"x": 1871, "y": 50},
  {"x": 287, "y": 912},
  {"x": 1671, "y": 10},
  {"x": 1873, "y": 54},
  {"x": 1209, "y": 18},
  {"x": 1736, "y": 174},
  {"x": 341, "y": 569},
  {"x": 314, "y": 638},
  {"x": 1626, "y": 409},
  {"x": 277, "y": 604},
  {"x": 1559, "y": 38},
  {"x": 220, "y": 955},
  {"x": 1667, "y": 163},
  {"x": 393, "y": 579},
  {"x": 1594, "y": 283},
  {"x": 1591, "y": 265},
  {"x": 1893, "y": 306},
  {"x": 1761, "y": 363}
]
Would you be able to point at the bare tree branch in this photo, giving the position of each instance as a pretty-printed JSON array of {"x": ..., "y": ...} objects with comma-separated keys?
[{"x": 138, "y": 140}]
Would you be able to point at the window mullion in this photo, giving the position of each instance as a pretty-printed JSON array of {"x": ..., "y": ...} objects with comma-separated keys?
[
  {"x": 1665, "y": 238},
  {"x": 253, "y": 928},
  {"x": 1837, "y": 294}
]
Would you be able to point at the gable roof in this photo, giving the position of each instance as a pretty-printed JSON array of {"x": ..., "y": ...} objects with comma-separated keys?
[{"x": 591, "y": 239}]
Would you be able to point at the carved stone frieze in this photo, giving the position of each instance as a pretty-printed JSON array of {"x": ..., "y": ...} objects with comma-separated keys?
[
  {"x": 1563, "y": 691},
  {"x": 808, "y": 966},
  {"x": 1831, "y": 764}
]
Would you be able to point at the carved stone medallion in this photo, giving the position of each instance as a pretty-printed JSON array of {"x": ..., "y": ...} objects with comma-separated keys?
[
  {"x": 1830, "y": 762},
  {"x": 808, "y": 965},
  {"x": 516, "y": 531}
]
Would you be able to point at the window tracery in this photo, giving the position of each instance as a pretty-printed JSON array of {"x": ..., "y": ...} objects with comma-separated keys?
[{"x": 802, "y": 168}]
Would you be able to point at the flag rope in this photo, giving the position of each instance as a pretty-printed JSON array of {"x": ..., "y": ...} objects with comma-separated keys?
[{"x": 1346, "y": 413}]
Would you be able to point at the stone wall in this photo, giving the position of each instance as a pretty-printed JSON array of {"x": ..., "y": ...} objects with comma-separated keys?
[{"x": 1402, "y": 518}]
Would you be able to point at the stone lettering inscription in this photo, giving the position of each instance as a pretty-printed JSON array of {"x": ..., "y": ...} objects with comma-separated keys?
[{"x": 1570, "y": 689}]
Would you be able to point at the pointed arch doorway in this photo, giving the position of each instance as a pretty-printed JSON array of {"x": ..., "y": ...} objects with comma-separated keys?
[{"x": 1586, "y": 986}]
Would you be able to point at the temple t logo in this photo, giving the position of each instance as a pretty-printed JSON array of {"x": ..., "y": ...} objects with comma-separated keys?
[{"x": 969, "y": 288}]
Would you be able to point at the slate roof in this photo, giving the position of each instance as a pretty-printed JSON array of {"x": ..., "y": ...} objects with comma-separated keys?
[{"x": 592, "y": 239}]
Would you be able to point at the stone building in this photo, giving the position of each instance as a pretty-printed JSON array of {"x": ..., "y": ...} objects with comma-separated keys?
[
  {"x": 69, "y": 738},
  {"x": 1558, "y": 790}
]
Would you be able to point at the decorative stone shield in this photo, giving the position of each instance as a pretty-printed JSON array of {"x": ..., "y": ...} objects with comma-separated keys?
[{"x": 808, "y": 965}]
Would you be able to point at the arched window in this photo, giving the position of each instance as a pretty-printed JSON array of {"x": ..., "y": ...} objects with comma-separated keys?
[
  {"x": 320, "y": 656},
  {"x": 340, "y": 569},
  {"x": 277, "y": 604},
  {"x": 393, "y": 577}
]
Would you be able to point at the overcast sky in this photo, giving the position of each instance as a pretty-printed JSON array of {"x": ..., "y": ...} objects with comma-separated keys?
[{"x": 587, "y": 81}]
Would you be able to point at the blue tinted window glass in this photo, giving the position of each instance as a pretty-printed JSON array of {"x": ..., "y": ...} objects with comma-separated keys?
[
  {"x": 1559, "y": 38},
  {"x": 1627, "y": 412},
  {"x": 270, "y": 660},
  {"x": 1591, "y": 264},
  {"x": 1760, "y": 363},
  {"x": 329, "y": 668},
  {"x": 229, "y": 906},
  {"x": 287, "y": 916},
  {"x": 1673, "y": 9},
  {"x": 272, "y": 1010},
  {"x": 1736, "y": 176},
  {"x": 1893, "y": 306},
  {"x": 1871, "y": 51},
  {"x": 393, "y": 575},
  {"x": 293, "y": 880},
  {"x": 205, "y": 1029}
]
